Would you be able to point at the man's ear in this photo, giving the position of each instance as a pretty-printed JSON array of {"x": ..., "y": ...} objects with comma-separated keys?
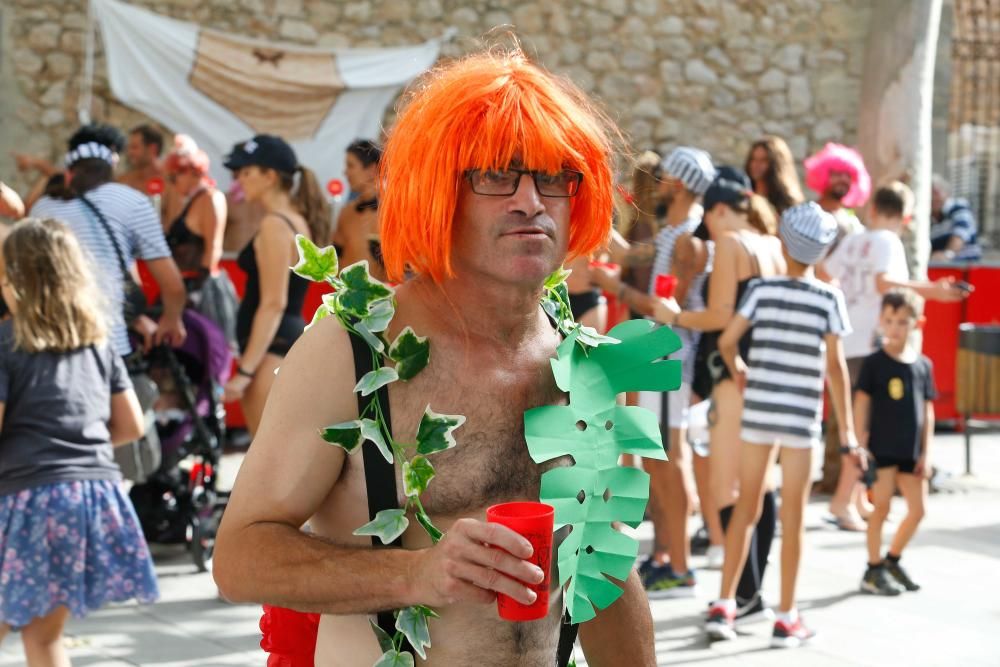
[
  {"x": 907, "y": 219},
  {"x": 921, "y": 321}
]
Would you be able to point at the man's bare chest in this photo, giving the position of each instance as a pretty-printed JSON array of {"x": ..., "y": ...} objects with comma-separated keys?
[{"x": 490, "y": 462}]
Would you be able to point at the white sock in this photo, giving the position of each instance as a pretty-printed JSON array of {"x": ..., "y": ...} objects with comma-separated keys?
[
  {"x": 729, "y": 604},
  {"x": 788, "y": 617}
]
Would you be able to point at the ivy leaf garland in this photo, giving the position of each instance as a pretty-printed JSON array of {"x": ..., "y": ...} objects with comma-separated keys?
[{"x": 366, "y": 307}]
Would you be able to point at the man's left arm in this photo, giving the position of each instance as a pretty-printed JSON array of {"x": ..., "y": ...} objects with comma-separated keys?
[{"x": 622, "y": 634}]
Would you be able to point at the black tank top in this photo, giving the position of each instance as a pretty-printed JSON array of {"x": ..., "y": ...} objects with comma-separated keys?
[
  {"x": 292, "y": 324},
  {"x": 708, "y": 345},
  {"x": 186, "y": 247}
]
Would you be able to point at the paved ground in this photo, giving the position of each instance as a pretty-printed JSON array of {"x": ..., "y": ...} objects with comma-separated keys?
[{"x": 955, "y": 620}]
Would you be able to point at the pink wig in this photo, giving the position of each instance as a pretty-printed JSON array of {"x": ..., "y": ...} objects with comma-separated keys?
[
  {"x": 186, "y": 156},
  {"x": 836, "y": 157}
]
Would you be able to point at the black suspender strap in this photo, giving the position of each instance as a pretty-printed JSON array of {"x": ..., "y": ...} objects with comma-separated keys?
[{"x": 380, "y": 475}]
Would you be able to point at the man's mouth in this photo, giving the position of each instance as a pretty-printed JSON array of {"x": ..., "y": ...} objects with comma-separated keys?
[{"x": 533, "y": 232}]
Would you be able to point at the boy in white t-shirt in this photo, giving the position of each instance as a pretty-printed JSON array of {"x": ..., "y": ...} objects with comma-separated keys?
[{"x": 865, "y": 266}]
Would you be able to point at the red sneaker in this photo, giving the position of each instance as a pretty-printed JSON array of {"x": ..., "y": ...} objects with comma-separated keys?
[
  {"x": 721, "y": 623},
  {"x": 790, "y": 635}
]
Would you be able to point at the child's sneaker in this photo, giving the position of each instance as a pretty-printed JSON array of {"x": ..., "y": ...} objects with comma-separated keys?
[
  {"x": 878, "y": 581},
  {"x": 790, "y": 635},
  {"x": 721, "y": 622},
  {"x": 754, "y": 612},
  {"x": 900, "y": 575},
  {"x": 662, "y": 582}
]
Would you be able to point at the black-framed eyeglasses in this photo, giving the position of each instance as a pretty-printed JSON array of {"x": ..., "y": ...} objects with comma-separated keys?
[{"x": 504, "y": 182}]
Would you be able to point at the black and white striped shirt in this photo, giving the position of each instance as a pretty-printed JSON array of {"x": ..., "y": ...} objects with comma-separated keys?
[
  {"x": 787, "y": 359},
  {"x": 136, "y": 226},
  {"x": 662, "y": 261}
]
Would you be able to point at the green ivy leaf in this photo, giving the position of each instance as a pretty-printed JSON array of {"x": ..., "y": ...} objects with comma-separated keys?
[
  {"x": 435, "y": 431},
  {"x": 384, "y": 640},
  {"x": 346, "y": 435},
  {"x": 394, "y": 658},
  {"x": 374, "y": 380},
  {"x": 387, "y": 525},
  {"x": 315, "y": 263},
  {"x": 410, "y": 352},
  {"x": 380, "y": 313},
  {"x": 590, "y": 337},
  {"x": 373, "y": 340},
  {"x": 412, "y": 622},
  {"x": 371, "y": 431},
  {"x": 360, "y": 289},
  {"x": 557, "y": 277},
  {"x": 417, "y": 474},
  {"x": 322, "y": 312},
  {"x": 429, "y": 527}
]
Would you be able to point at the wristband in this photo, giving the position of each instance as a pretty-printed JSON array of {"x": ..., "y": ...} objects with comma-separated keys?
[
  {"x": 847, "y": 449},
  {"x": 244, "y": 373}
]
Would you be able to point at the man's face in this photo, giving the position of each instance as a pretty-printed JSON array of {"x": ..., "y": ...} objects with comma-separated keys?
[
  {"x": 937, "y": 200},
  {"x": 668, "y": 186},
  {"x": 138, "y": 154},
  {"x": 358, "y": 175},
  {"x": 517, "y": 239},
  {"x": 839, "y": 184}
]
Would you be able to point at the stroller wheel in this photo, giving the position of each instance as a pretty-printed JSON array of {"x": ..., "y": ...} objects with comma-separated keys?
[{"x": 203, "y": 530}]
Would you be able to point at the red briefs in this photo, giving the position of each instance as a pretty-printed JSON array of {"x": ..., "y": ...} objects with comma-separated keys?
[{"x": 289, "y": 637}]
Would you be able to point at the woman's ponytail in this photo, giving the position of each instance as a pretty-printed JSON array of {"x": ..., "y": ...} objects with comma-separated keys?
[
  {"x": 761, "y": 215},
  {"x": 309, "y": 200}
]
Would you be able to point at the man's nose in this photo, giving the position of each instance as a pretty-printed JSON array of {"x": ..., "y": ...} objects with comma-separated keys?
[{"x": 526, "y": 199}]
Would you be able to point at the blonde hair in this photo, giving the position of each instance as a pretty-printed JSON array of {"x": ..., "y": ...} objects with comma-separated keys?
[{"x": 59, "y": 308}]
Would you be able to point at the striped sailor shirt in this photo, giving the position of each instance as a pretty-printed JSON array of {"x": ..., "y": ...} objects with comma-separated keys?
[
  {"x": 787, "y": 359},
  {"x": 136, "y": 227}
]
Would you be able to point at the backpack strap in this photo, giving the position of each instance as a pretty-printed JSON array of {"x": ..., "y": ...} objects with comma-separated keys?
[{"x": 380, "y": 475}]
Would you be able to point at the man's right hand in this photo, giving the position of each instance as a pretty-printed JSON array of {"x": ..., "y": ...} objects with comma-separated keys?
[
  {"x": 473, "y": 562},
  {"x": 945, "y": 290}
]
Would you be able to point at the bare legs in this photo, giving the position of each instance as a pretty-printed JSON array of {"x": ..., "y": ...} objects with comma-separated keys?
[
  {"x": 754, "y": 462},
  {"x": 914, "y": 490},
  {"x": 43, "y": 640},
  {"x": 795, "y": 482},
  {"x": 709, "y": 508},
  {"x": 724, "y": 451},
  {"x": 678, "y": 503},
  {"x": 256, "y": 393}
]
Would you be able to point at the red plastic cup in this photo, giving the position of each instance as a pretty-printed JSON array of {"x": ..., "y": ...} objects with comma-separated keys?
[
  {"x": 610, "y": 266},
  {"x": 665, "y": 285},
  {"x": 535, "y": 522}
]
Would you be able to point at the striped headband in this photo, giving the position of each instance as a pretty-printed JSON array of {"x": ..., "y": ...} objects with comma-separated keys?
[
  {"x": 692, "y": 167},
  {"x": 88, "y": 151},
  {"x": 807, "y": 231}
]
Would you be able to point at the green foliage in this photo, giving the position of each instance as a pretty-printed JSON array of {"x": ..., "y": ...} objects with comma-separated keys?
[
  {"x": 595, "y": 491},
  {"x": 435, "y": 431},
  {"x": 387, "y": 525},
  {"x": 316, "y": 264},
  {"x": 410, "y": 352}
]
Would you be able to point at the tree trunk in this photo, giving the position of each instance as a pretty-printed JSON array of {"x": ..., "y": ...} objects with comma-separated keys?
[{"x": 896, "y": 107}]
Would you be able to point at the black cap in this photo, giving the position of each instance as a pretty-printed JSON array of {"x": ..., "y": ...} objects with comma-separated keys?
[
  {"x": 264, "y": 150},
  {"x": 731, "y": 186}
]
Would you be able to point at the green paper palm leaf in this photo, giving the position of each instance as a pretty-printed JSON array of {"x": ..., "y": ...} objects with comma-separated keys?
[{"x": 595, "y": 491}]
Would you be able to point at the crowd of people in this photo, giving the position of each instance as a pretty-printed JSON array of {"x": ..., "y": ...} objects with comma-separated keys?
[{"x": 775, "y": 300}]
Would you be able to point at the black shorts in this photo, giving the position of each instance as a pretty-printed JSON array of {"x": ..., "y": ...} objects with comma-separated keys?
[{"x": 905, "y": 465}]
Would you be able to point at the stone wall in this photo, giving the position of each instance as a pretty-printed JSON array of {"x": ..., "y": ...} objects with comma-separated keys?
[{"x": 715, "y": 73}]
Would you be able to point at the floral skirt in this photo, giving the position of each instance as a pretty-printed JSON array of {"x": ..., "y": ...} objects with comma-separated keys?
[{"x": 72, "y": 544}]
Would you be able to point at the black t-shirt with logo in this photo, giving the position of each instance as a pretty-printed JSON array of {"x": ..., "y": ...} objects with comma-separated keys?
[{"x": 899, "y": 392}]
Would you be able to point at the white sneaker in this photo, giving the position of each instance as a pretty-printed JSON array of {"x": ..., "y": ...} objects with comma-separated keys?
[{"x": 716, "y": 556}]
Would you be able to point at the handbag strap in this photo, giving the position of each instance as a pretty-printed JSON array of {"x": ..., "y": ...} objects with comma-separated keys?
[{"x": 126, "y": 275}]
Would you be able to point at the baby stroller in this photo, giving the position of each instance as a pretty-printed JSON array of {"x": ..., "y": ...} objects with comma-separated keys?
[{"x": 179, "y": 503}]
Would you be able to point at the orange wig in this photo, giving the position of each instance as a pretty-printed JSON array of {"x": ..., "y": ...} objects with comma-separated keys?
[{"x": 481, "y": 112}]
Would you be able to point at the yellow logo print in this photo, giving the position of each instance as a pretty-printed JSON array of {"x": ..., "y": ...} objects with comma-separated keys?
[{"x": 896, "y": 389}]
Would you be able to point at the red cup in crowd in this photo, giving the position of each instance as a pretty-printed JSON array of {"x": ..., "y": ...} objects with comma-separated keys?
[
  {"x": 610, "y": 266},
  {"x": 665, "y": 285},
  {"x": 534, "y": 522},
  {"x": 335, "y": 187},
  {"x": 155, "y": 186}
]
